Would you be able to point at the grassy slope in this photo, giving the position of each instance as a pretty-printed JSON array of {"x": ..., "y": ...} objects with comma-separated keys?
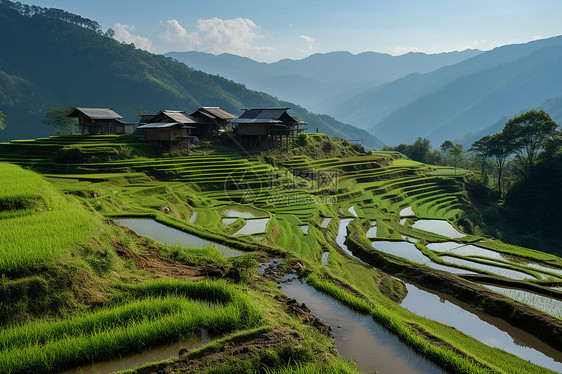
[{"x": 377, "y": 185}]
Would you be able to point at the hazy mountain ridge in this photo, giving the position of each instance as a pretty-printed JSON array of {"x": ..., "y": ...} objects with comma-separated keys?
[
  {"x": 47, "y": 62},
  {"x": 321, "y": 76},
  {"x": 474, "y": 101}
]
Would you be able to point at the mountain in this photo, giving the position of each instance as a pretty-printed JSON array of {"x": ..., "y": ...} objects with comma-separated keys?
[
  {"x": 321, "y": 76},
  {"x": 552, "y": 106},
  {"x": 51, "y": 58},
  {"x": 475, "y": 100}
]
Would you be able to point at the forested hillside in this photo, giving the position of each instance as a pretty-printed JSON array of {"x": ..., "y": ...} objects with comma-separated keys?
[{"x": 48, "y": 60}]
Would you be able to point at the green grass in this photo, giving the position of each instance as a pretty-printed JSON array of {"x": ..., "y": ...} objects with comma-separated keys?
[
  {"x": 36, "y": 236},
  {"x": 160, "y": 312}
]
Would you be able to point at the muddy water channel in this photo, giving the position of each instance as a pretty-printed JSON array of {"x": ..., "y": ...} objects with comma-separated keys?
[
  {"x": 359, "y": 337},
  {"x": 152, "y": 355},
  {"x": 169, "y": 235},
  {"x": 489, "y": 330}
]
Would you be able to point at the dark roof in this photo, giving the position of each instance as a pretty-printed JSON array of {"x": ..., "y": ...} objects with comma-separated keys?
[
  {"x": 178, "y": 116},
  {"x": 212, "y": 112},
  {"x": 146, "y": 117},
  {"x": 271, "y": 113},
  {"x": 255, "y": 120},
  {"x": 95, "y": 113},
  {"x": 161, "y": 125}
]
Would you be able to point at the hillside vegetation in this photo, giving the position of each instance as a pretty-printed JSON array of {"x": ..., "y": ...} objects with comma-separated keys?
[
  {"x": 48, "y": 62},
  {"x": 111, "y": 292}
]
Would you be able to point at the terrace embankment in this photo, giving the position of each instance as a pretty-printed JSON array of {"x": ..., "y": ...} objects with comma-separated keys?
[{"x": 543, "y": 326}]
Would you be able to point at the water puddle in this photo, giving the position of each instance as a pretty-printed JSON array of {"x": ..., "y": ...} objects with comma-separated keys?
[
  {"x": 326, "y": 222},
  {"x": 546, "y": 304},
  {"x": 152, "y": 355},
  {"x": 407, "y": 212},
  {"x": 372, "y": 232},
  {"x": 403, "y": 221},
  {"x": 324, "y": 260},
  {"x": 439, "y": 227},
  {"x": 253, "y": 226},
  {"x": 304, "y": 229},
  {"x": 228, "y": 221},
  {"x": 545, "y": 268},
  {"x": 465, "y": 250},
  {"x": 409, "y": 238},
  {"x": 352, "y": 211},
  {"x": 169, "y": 235},
  {"x": 342, "y": 235},
  {"x": 358, "y": 337},
  {"x": 243, "y": 211},
  {"x": 512, "y": 274},
  {"x": 402, "y": 249},
  {"x": 193, "y": 217},
  {"x": 491, "y": 331}
]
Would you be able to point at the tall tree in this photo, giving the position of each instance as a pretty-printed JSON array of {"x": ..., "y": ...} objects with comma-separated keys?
[
  {"x": 481, "y": 151},
  {"x": 58, "y": 119},
  {"x": 528, "y": 133},
  {"x": 2, "y": 124},
  {"x": 500, "y": 148}
]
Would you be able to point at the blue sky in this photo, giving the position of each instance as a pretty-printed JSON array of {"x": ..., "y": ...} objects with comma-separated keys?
[{"x": 269, "y": 31}]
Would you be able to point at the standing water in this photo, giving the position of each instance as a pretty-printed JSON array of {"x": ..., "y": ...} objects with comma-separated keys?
[
  {"x": 358, "y": 337},
  {"x": 169, "y": 235},
  {"x": 489, "y": 330}
]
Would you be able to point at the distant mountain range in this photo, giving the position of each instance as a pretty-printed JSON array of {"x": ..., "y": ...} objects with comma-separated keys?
[
  {"x": 56, "y": 59},
  {"x": 317, "y": 80},
  {"x": 446, "y": 96}
]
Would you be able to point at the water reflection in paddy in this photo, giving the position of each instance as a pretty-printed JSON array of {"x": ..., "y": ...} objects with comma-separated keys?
[
  {"x": 352, "y": 211},
  {"x": 243, "y": 211},
  {"x": 489, "y": 330},
  {"x": 169, "y": 235},
  {"x": 324, "y": 260},
  {"x": 253, "y": 226},
  {"x": 513, "y": 274},
  {"x": 407, "y": 212},
  {"x": 228, "y": 221},
  {"x": 135, "y": 360},
  {"x": 465, "y": 250},
  {"x": 342, "y": 235},
  {"x": 402, "y": 249},
  {"x": 193, "y": 217},
  {"x": 304, "y": 229},
  {"x": 326, "y": 222},
  {"x": 372, "y": 347},
  {"x": 439, "y": 227},
  {"x": 544, "y": 303}
]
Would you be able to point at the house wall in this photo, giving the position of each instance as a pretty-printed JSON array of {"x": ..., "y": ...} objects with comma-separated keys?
[{"x": 252, "y": 129}]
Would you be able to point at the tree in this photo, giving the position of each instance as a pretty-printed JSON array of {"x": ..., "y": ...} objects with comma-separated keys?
[
  {"x": 480, "y": 149},
  {"x": 2, "y": 124},
  {"x": 457, "y": 153},
  {"x": 58, "y": 118},
  {"x": 528, "y": 133},
  {"x": 499, "y": 148}
]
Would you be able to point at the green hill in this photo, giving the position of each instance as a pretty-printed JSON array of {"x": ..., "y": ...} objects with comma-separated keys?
[{"x": 51, "y": 58}]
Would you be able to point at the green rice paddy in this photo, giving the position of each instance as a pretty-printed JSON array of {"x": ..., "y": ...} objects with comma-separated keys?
[{"x": 66, "y": 208}]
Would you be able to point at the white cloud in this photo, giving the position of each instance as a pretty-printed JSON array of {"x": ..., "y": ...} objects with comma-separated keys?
[
  {"x": 123, "y": 34},
  {"x": 216, "y": 35},
  {"x": 309, "y": 40}
]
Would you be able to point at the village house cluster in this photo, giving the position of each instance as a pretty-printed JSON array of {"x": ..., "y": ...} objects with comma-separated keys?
[{"x": 266, "y": 128}]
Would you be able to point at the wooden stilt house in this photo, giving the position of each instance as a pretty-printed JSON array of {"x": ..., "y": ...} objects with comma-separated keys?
[
  {"x": 267, "y": 128},
  {"x": 101, "y": 121},
  {"x": 210, "y": 121},
  {"x": 168, "y": 128}
]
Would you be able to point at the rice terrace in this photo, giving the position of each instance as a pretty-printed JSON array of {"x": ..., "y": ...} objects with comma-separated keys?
[{"x": 270, "y": 239}]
